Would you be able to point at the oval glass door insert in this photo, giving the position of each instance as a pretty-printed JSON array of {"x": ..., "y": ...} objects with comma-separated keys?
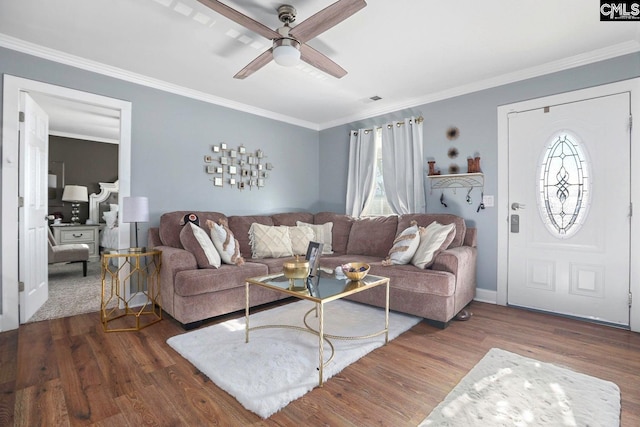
[{"x": 564, "y": 186}]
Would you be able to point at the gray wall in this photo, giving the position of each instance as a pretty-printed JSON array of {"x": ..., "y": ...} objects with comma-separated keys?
[
  {"x": 171, "y": 134},
  {"x": 475, "y": 115}
]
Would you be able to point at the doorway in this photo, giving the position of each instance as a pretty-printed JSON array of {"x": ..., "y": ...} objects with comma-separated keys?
[
  {"x": 587, "y": 279},
  {"x": 13, "y": 86}
]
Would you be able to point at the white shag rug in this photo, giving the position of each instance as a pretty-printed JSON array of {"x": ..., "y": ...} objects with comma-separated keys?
[
  {"x": 279, "y": 365},
  {"x": 506, "y": 389}
]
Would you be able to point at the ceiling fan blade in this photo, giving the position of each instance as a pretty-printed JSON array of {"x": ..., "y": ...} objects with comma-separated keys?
[
  {"x": 255, "y": 65},
  {"x": 241, "y": 19},
  {"x": 321, "y": 62},
  {"x": 328, "y": 17}
]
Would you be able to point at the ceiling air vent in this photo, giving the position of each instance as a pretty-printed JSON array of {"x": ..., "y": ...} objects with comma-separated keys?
[{"x": 375, "y": 98}]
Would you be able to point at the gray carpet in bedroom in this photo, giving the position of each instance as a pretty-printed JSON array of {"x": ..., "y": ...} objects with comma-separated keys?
[{"x": 70, "y": 293}]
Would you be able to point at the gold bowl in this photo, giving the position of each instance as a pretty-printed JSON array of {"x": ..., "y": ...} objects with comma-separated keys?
[{"x": 355, "y": 270}]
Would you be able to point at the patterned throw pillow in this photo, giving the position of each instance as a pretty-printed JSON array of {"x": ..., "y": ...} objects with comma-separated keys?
[
  {"x": 433, "y": 239},
  {"x": 269, "y": 241},
  {"x": 224, "y": 241},
  {"x": 197, "y": 241},
  {"x": 300, "y": 238},
  {"x": 322, "y": 233},
  {"x": 404, "y": 246}
]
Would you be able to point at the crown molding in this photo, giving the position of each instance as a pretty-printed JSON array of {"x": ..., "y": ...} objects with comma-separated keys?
[
  {"x": 118, "y": 73},
  {"x": 610, "y": 52},
  {"x": 598, "y": 55}
]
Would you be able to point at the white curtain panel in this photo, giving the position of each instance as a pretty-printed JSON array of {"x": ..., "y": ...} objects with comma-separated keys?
[
  {"x": 362, "y": 159},
  {"x": 402, "y": 166}
]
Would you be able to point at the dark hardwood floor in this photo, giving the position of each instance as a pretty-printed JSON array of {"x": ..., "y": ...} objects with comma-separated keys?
[{"x": 69, "y": 372}]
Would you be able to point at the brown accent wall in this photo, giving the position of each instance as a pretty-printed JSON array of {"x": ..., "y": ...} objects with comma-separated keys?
[{"x": 85, "y": 163}]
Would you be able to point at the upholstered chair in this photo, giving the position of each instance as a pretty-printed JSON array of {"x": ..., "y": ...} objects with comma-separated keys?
[{"x": 73, "y": 252}]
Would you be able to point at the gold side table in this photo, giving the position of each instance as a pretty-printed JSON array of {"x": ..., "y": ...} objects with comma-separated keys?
[{"x": 139, "y": 273}]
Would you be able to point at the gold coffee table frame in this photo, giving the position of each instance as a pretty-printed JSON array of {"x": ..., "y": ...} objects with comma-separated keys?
[{"x": 334, "y": 289}]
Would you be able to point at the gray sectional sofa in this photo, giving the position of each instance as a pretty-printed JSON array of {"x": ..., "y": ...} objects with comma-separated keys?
[{"x": 192, "y": 295}]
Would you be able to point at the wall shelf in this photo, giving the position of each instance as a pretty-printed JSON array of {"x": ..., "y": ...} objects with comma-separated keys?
[{"x": 460, "y": 180}]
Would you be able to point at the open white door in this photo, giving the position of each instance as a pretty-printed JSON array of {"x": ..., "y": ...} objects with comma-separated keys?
[{"x": 32, "y": 233}]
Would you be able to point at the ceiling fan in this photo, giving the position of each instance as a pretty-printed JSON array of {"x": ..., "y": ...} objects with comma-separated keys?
[{"x": 289, "y": 43}]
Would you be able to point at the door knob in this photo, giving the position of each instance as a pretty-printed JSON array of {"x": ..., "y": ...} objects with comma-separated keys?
[{"x": 515, "y": 206}]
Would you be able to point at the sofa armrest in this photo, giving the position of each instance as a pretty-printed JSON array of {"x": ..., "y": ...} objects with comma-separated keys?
[
  {"x": 455, "y": 260},
  {"x": 471, "y": 237},
  {"x": 462, "y": 262},
  {"x": 153, "y": 237},
  {"x": 174, "y": 260}
]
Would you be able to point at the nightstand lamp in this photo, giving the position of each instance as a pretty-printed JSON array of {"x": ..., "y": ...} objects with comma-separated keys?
[
  {"x": 135, "y": 209},
  {"x": 75, "y": 194}
]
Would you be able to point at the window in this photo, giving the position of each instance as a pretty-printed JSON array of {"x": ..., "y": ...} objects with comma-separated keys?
[
  {"x": 378, "y": 205},
  {"x": 564, "y": 185}
]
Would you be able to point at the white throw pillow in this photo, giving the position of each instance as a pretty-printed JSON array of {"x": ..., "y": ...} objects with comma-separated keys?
[
  {"x": 322, "y": 233},
  {"x": 433, "y": 239},
  {"x": 300, "y": 238},
  {"x": 110, "y": 217},
  {"x": 269, "y": 241},
  {"x": 404, "y": 246},
  {"x": 225, "y": 242},
  {"x": 195, "y": 240}
]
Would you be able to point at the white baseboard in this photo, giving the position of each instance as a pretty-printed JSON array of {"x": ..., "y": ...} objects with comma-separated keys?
[{"x": 485, "y": 295}]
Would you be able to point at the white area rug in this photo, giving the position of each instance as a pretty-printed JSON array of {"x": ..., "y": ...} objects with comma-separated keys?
[
  {"x": 280, "y": 365},
  {"x": 506, "y": 389}
]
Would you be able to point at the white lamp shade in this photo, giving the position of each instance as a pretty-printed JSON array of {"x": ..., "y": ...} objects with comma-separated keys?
[
  {"x": 286, "y": 55},
  {"x": 135, "y": 209},
  {"x": 75, "y": 194}
]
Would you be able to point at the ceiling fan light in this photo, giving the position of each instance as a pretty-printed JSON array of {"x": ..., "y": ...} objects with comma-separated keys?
[{"x": 286, "y": 52}]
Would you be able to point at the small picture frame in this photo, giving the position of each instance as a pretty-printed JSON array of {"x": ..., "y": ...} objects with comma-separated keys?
[
  {"x": 259, "y": 166},
  {"x": 259, "y": 154},
  {"x": 232, "y": 181},
  {"x": 224, "y": 160},
  {"x": 233, "y": 154},
  {"x": 223, "y": 146},
  {"x": 233, "y": 170},
  {"x": 254, "y": 173},
  {"x": 207, "y": 159},
  {"x": 215, "y": 149},
  {"x": 219, "y": 169},
  {"x": 269, "y": 166},
  {"x": 242, "y": 150},
  {"x": 314, "y": 251},
  {"x": 217, "y": 182},
  {"x": 211, "y": 169},
  {"x": 265, "y": 174},
  {"x": 260, "y": 182}
]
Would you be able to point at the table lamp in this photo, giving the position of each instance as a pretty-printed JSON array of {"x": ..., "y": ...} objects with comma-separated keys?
[
  {"x": 75, "y": 194},
  {"x": 135, "y": 209}
]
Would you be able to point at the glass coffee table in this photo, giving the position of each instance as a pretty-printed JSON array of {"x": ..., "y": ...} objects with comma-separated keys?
[{"x": 326, "y": 289}]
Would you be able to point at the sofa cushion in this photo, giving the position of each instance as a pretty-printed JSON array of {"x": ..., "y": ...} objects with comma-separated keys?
[
  {"x": 170, "y": 225},
  {"x": 225, "y": 242},
  {"x": 424, "y": 220},
  {"x": 240, "y": 226},
  {"x": 322, "y": 233},
  {"x": 195, "y": 240},
  {"x": 341, "y": 228},
  {"x": 404, "y": 246},
  {"x": 290, "y": 218},
  {"x": 373, "y": 236},
  {"x": 433, "y": 239},
  {"x": 204, "y": 281},
  {"x": 269, "y": 241}
]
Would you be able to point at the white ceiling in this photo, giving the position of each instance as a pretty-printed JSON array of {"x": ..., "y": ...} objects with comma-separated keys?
[{"x": 408, "y": 52}]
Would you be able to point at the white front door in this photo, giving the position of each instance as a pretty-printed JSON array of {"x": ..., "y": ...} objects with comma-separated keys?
[
  {"x": 569, "y": 216},
  {"x": 32, "y": 233}
]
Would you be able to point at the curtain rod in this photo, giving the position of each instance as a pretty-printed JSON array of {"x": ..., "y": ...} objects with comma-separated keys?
[{"x": 389, "y": 126}]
